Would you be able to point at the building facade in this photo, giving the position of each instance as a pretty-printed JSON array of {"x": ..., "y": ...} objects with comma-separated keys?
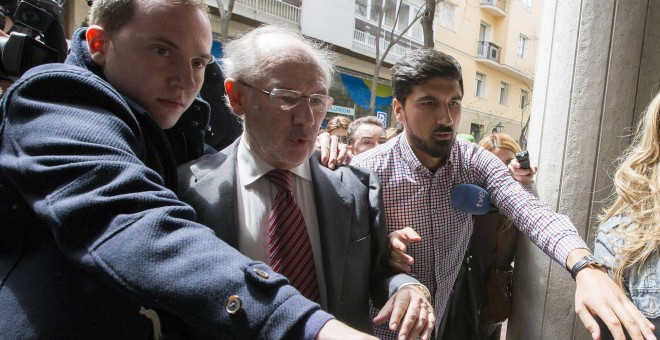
[{"x": 494, "y": 40}]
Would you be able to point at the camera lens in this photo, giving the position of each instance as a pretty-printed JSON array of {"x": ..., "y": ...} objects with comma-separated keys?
[{"x": 33, "y": 17}]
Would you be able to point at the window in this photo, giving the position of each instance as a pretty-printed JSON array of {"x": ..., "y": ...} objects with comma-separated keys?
[
  {"x": 390, "y": 13},
  {"x": 527, "y": 4},
  {"x": 524, "y": 99},
  {"x": 475, "y": 130},
  {"x": 374, "y": 9},
  {"x": 361, "y": 8},
  {"x": 404, "y": 16},
  {"x": 416, "y": 29},
  {"x": 504, "y": 93},
  {"x": 522, "y": 46},
  {"x": 371, "y": 10},
  {"x": 480, "y": 85},
  {"x": 447, "y": 15},
  {"x": 483, "y": 32}
]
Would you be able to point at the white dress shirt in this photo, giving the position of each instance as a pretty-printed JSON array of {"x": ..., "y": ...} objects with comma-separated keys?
[{"x": 255, "y": 195}]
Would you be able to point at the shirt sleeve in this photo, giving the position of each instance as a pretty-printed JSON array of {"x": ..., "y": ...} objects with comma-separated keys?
[{"x": 551, "y": 232}]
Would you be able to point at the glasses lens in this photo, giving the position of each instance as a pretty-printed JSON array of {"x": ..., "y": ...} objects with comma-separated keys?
[
  {"x": 285, "y": 99},
  {"x": 320, "y": 103}
]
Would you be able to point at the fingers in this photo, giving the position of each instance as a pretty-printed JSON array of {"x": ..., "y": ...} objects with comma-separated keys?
[
  {"x": 414, "y": 314},
  {"x": 589, "y": 322},
  {"x": 332, "y": 158},
  {"x": 400, "y": 261},
  {"x": 525, "y": 176},
  {"x": 424, "y": 324},
  {"x": 398, "y": 241},
  {"x": 399, "y": 308},
  {"x": 410, "y": 234},
  {"x": 323, "y": 143},
  {"x": 632, "y": 320},
  {"x": 344, "y": 156},
  {"x": 385, "y": 312},
  {"x": 597, "y": 294},
  {"x": 428, "y": 328},
  {"x": 645, "y": 326}
]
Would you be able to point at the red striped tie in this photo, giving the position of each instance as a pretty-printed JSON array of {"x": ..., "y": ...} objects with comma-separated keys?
[{"x": 288, "y": 242}]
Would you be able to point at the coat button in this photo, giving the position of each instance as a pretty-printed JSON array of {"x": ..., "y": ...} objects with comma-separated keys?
[
  {"x": 261, "y": 273},
  {"x": 233, "y": 304}
]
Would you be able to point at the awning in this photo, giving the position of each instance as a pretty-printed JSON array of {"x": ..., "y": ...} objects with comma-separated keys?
[{"x": 360, "y": 91}]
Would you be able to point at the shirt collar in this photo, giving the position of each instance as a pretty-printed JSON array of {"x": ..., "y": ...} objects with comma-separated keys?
[{"x": 253, "y": 168}]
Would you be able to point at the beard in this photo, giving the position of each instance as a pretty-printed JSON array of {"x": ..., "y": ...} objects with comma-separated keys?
[{"x": 436, "y": 149}]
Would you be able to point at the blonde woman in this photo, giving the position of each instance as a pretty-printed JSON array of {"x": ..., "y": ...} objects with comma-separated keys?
[
  {"x": 338, "y": 126},
  {"x": 502, "y": 145},
  {"x": 628, "y": 242}
]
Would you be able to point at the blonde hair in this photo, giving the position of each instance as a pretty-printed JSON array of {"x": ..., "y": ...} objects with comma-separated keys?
[
  {"x": 499, "y": 140},
  {"x": 338, "y": 122},
  {"x": 637, "y": 194}
]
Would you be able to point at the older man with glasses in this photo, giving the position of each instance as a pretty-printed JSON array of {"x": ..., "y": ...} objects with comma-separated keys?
[{"x": 267, "y": 196}]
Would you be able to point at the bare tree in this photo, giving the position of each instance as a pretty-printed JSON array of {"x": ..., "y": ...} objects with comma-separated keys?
[
  {"x": 225, "y": 18},
  {"x": 427, "y": 23},
  {"x": 422, "y": 12}
]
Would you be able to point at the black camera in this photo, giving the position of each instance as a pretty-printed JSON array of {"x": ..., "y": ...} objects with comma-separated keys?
[{"x": 37, "y": 36}]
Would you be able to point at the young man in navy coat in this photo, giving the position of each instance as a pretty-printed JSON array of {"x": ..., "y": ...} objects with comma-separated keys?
[{"x": 93, "y": 241}]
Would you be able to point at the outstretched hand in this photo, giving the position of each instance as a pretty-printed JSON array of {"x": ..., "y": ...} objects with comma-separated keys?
[
  {"x": 399, "y": 241},
  {"x": 410, "y": 312},
  {"x": 597, "y": 294},
  {"x": 524, "y": 176},
  {"x": 333, "y": 152}
]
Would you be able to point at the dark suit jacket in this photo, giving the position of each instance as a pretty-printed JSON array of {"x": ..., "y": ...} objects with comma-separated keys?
[{"x": 351, "y": 225}]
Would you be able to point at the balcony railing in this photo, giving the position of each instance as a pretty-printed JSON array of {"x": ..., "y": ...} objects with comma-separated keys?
[
  {"x": 494, "y": 7},
  {"x": 276, "y": 9},
  {"x": 366, "y": 41},
  {"x": 488, "y": 50}
]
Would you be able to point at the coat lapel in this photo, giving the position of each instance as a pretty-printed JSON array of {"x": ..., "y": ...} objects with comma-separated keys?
[
  {"x": 334, "y": 210},
  {"x": 219, "y": 171}
]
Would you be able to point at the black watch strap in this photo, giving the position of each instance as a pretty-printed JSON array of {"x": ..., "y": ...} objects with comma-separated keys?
[{"x": 588, "y": 260}]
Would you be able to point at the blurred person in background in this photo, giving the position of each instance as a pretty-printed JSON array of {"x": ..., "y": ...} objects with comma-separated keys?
[
  {"x": 338, "y": 126},
  {"x": 365, "y": 134},
  {"x": 393, "y": 131}
]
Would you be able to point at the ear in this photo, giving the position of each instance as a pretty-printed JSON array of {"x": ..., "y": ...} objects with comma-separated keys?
[
  {"x": 97, "y": 39},
  {"x": 397, "y": 108},
  {"x": 233, "y": 91}
]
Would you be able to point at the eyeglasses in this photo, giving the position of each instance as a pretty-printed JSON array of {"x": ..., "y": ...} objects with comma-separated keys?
[{"x": 288, "y": 99}]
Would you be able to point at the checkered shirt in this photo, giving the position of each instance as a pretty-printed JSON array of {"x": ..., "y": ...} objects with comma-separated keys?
[{"x": 418, "y": 198}]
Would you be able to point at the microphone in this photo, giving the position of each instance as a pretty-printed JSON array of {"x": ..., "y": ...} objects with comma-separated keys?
[{"x": 471, "y": 199}]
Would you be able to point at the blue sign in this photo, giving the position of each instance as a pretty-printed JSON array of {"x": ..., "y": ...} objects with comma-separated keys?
[{"x": 382, "y": 116}]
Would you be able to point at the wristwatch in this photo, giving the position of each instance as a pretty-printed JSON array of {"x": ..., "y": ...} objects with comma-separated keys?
[
  {"x": 588, "y": 260},
  {"x": 422, "y": 288}
]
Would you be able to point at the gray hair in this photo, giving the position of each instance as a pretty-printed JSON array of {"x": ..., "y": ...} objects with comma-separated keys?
[
  {"x": 350, "y": 132},
  {"x": 242, "y": 58}
]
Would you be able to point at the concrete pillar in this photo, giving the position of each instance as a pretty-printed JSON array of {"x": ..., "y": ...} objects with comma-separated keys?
[{"x": 598, "y": 67}]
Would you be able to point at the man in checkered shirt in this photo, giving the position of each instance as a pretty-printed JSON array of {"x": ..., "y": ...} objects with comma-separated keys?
[{"x": 418, "y": 170}]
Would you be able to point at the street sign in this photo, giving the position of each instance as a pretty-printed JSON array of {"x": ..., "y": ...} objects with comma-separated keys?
[{"x": 382, "y": 116}]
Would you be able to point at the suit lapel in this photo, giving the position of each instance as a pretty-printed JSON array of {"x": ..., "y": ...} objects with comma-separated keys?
[
  {"x": 334, "y": 210},
  {"x": 219, "y": 171}
]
